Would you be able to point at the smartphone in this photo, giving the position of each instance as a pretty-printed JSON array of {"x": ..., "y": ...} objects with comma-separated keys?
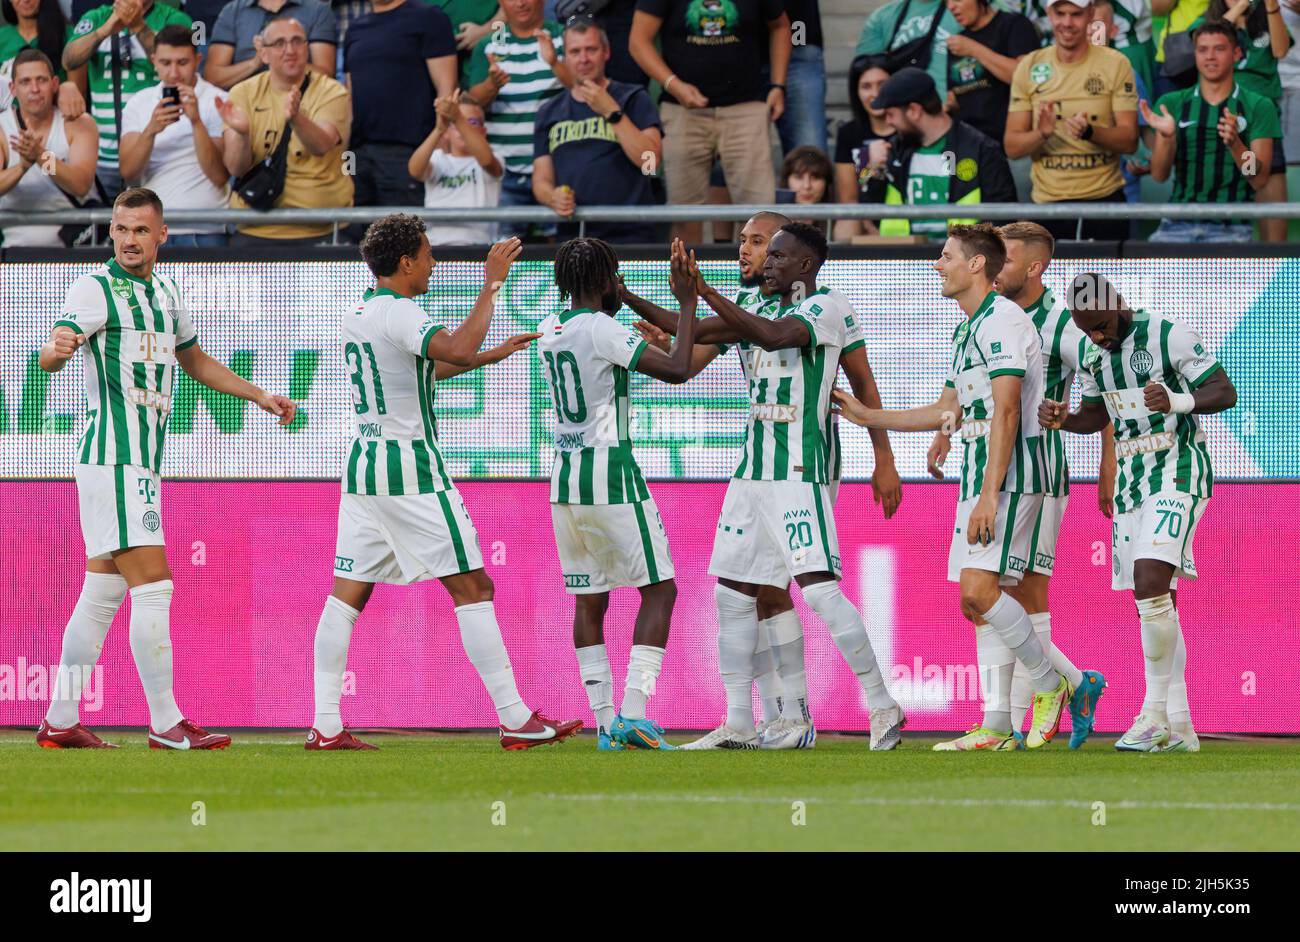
[{"x": 171, "y": 95}]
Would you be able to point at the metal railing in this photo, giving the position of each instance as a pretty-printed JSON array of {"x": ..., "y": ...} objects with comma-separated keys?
[{"x": 998, "y": 212}]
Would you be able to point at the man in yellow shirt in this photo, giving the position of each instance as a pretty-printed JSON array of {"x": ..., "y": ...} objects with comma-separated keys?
[
  {"x": 320, "y": 120},
  {"x": 1074, "y": 111}
]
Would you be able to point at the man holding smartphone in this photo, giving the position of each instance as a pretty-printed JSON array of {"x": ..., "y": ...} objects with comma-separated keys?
[{"x": 171, "y": 138}]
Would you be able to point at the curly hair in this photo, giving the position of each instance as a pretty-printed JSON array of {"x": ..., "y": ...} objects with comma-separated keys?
[
  {"x": 584, "y": 266},
  {"x": 390, "y": 239},
  {"x": 810, "y": 237}
]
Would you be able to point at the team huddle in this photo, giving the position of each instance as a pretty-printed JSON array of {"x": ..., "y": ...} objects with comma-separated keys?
[{"x": 1144, "y": 377}]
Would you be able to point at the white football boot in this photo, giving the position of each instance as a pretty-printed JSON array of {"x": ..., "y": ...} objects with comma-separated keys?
[
  {"x": 724, "y": 737},
  {"x": 887, "y": 728},
  {"x": 1145, "y": 735},
  {"x": 787, "y": 734}
]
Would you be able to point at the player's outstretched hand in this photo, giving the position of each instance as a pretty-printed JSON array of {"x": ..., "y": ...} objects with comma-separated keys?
[
  {"x": 511, "y": 345},
  {"x": 681, "y": 278},
  {"x": 887, "y": 488},
  {"x": 281, "y": 406},
  {"x": 1156, "y": 397},
  {"x": 844, "y": 404},
  {"x": 499, "y": 259},
  {"x": 938, "y": 454},
  {"x": 654, "y": 336},
  {"x": 1051, "y": 414},
  {"x": 64, "y": 342}
]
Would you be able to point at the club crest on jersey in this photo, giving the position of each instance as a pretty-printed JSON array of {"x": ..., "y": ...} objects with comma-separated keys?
[
  {"x": 151, "y": 521},
  {"x": 1141, "y": 361},
  {"x": 122, "y": 288}
]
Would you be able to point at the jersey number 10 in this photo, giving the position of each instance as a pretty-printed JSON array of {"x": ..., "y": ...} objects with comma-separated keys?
[{"x": 555, "y": 363}]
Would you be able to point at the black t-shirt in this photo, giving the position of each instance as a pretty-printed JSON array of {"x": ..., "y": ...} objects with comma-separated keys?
[
  {"x": 716, "y": 45},
  {"x": 851, "y": 148},
  {"x": 981, "y": 98},
  {"x": 385, "y": 53},
  {"x": 616, "y": 20},
  {"x": 809, "y": 14}
]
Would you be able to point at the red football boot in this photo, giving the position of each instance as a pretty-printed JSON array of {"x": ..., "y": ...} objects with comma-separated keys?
[
  {"x": 185, "y": 735},
  {"x": 344, "y": 740},
  {"x": 538, "y": 731},
  {"x": 74, "y": 737}
]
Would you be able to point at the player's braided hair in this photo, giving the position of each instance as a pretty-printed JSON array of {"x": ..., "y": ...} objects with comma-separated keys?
[
  {"x": 584, "y": 266},
  {"x": 389, "y": 240}
]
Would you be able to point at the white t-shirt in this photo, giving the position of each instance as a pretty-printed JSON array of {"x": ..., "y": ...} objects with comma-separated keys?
[
  {"x": 460, "y": 182},
  {"x": 173, "y": 171}
]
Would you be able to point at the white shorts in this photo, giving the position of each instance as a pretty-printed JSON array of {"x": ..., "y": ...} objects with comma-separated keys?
[
  {"x": 608, "y": 546},
  {"x": 1013, "y": 536},
  {"x": 121, "y": 507},
  {"x": 1048, "y": 531},
  {"x": 771, "y": 531},
  {"x": 400, "y": 540},
  {"x": 1162, "y": 527}
]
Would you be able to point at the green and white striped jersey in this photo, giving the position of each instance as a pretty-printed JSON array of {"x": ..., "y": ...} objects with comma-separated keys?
[
  {"x": 133, "y": 329},
  {"x": 512, "y": 113},
  {"x": 395, "y": 451},
  {"x": 1156, "y": 452},
  {"x": 999, "y": 340},
  {"x": 586, "y": 356},
  {"x": 1063, "y": 347},
  {"x": 787, "y": 437}
]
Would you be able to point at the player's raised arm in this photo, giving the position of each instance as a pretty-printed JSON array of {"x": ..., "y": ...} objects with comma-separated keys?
[
  {"x": 58, "y": 350},
  {"x": 782, "y": 333},
  {"x": 496, "y": 354},
  {"x": 459, "y": 347},
  {"x": 707, "y": 330},
  {"x": 675, "y": 367},
  {"x": 218, "y": 376},
  {"x": 943, "y": 413}
]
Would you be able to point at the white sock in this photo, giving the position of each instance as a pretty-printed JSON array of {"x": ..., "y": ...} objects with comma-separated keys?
[
  {"x": 765, "y": 676},
  {"x": 593, "y": 667},
  {"x": 1021, "y": 695},
  {"x": 333, "y": 634},
  {"x": 644, "y": 663},
  {"x": 850, "y": 636},
  {"x": 737, "y": 641},
  {"x": 785, "y": 635},
  {"x": 481, "y": 637},
  {"x": 151, "y": 646},
  {"x": 997, "y": 665},
  {"x": 1160, "y": 633},
  {"x": 1042, "y": 622},
  {"x": 1180, "y": 712},
  {"x": 101, "y": 596},
  {"x": 1010, "y": 620}
]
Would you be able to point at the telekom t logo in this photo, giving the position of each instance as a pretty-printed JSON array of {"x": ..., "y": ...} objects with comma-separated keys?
[{"x": 147, "y": 489}]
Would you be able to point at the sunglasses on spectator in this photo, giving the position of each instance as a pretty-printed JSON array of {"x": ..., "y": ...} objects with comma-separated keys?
[{"x": 295, "y": 42}]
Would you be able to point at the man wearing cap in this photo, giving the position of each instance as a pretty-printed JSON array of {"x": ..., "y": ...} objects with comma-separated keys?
[
  {"x": 933, "y": 158},
  {"x": 1074, "y": 111}
]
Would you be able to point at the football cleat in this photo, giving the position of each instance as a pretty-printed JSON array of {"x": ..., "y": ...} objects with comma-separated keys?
[
  {"x": 887, "y": 728},
  {"x": 1020, "y": 739},
  {"x": 787, "y": 734},
  {"x": 1145, "y": 735},
  {"x": 344, "y": 740},
  {"x": 638, "y": 734},
  {"x": 1181, "y": 739},
  {"x": 1048, "y": 708},
  {"x": 607, "y": 743},
  {"x": 185, "y": 735},
  {"x": 724, "y": 737},
  {"x": 74, "y": 737},
  {"x": 1083, "y": 706},
  {"x": 538, "y": 731},
  {"x": 979, "y": 738}
]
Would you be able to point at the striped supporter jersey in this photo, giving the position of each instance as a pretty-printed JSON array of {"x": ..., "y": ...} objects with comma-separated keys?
[
  {"x": 511, "y": 114},
  {"x": 133, "y": 329},
  {"x": 789, "y": 431},
  {"x": 999, "y": 340},
  {"x": 586, "y": 358},
  {"x": 1063, "y": 347},
  {"x": 1156, "y": 452},
  {"x": 395, "y": 451}
]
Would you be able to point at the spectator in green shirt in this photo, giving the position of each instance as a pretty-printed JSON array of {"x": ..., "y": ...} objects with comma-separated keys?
[
  {"x": 36, "y": 24},
  {"x": 125, "y": 29},
  {"x": 471, "y": 21},
  {"x": 900, "y": 22},
  {"x": 1217, "y": 139}
]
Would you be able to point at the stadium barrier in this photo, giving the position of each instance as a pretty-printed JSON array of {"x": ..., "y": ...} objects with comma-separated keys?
[{"x": 250, "y": 508}]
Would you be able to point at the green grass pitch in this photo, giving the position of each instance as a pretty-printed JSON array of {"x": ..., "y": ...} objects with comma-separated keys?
[{"x": 431, "y": 792}]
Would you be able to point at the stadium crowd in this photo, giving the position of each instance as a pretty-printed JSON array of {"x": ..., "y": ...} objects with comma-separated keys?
[{"x": 568, "y": 103}]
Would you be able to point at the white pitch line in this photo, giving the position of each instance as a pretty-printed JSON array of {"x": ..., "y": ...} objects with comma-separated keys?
[{"x": 938, "y": 802}]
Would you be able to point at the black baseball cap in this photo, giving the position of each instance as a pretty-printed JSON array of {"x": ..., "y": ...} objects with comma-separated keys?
[{"x": 904, "y": 87}]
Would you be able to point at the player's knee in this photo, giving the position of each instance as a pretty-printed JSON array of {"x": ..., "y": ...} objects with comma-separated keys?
[
  {"x": 662, "y": 593},
  {"x": 1151, "y": 578},
  {"x": 772, "y": 602},
  {"x": 593, "y": 605}
]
